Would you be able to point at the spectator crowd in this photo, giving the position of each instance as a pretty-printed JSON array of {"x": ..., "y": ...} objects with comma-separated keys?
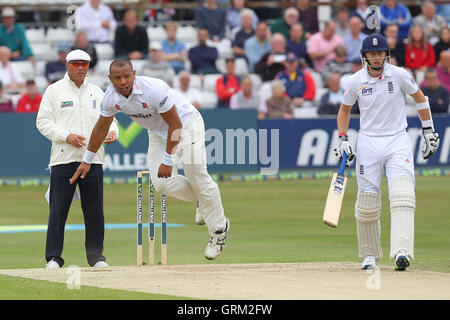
[{"x": 284, "y": 68}]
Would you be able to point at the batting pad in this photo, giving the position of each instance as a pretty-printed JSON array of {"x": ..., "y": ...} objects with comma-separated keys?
[
  {"x": 403, "y": 205},
  {"x": 367, "y": 214}
]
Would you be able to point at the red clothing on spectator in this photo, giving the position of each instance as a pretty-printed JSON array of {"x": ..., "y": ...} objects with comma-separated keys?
[
  {"x": 27, "y": 104},
  {"x": 223, "y": 91},
  {"x": 416, "y": 58}
]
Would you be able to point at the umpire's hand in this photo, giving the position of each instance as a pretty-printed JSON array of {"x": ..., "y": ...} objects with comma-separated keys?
[
  {"x": 76, "y": 140},
  {"x": 82, "y": 170}
]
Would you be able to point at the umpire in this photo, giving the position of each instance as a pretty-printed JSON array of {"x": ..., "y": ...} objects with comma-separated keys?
[{"x": 69, "y": 110}]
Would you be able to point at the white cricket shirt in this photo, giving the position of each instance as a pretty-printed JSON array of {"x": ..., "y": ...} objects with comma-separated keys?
[
  {"x": 149, "y": 97},
  {"x": 381, "y": 100}
]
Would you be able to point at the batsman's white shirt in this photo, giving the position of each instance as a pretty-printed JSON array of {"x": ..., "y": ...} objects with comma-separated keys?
[
  {"x": 381, "y": 100},
  {"x": 149, "y": 97}
]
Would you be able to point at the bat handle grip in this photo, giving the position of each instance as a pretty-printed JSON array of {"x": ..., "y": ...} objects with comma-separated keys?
[{"x": 343, "y": 163}]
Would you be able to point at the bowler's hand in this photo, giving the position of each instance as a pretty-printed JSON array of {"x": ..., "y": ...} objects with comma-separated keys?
[
  {"x": 76, "y": 140},
  {"x": 164, "y": 171},
  {"x": 82, "y": 170},
  {"x": 112, "y": 137}
]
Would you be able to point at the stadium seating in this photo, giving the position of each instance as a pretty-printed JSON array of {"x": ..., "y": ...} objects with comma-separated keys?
[
  {"x": 209, "y": 82},
  {"x": 25, "y": 68},
  {"x": 208, "y": 100},
  {"x": 241, "y": 66},
  {"x": 195, "y": 82},
  {"x": 43, "y": 51}
]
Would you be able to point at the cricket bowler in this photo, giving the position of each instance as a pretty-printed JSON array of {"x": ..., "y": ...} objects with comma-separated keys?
[
  {"x": 176, "y": 135},
  {"x": 384, "y": 144}
]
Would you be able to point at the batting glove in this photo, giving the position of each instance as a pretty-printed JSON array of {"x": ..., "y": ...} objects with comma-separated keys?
[
  {"x": 431, "y": 142},
  {"x": 344, "y": 146}
]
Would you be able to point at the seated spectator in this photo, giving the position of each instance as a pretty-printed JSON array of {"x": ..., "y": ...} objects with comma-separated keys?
[
  {"x": 284, "y": 24},
  {"x": 298, "y": 46},
  {"x": 191, "y": 93},
  {"x": 174, "y": 50},
  {"x": 131, "y": 41},
  {"x": 255, "y": 47},
  {"x": 212, "y": 18},
  {"x": 243, "y": 32},
  {"x": 97, "y": 20},
  {"x": 13, "y": 36},
  {"x": 271, "y": 63},
  {"x": 279, "y": 105},
  {"x": 339, "y": 65},
  {"x": 363, "y": 12},
  {"x": 396, "y": 46},
  {"x": 430, "y": 22},
  {"x": 394, "y": 12},
  {"x": 437, "y": 95},
  {"x": 443, "y": 69},
  {"x": 299, "y": 84},
  {"x": 30, "y": 100},
  {"x": 6, "y": 104},
  {"x": 444, "y": 41},
  {"x": 245, "y": 98},
  {"x": 56, "y": 70},
  {"x": 203, "y": 57},
  {"x": 331, "y": 100},
  {"x": 321, "y": 45},
  {"x": 10, "y": 77},
  {"x": 419, "y": 54},
  {"x": 342, "y": 18},
  {"x": 308, "y": 18},
  {"x": 234, "y": 14},
  {"x": 156, "y": 67},
  {"x": 228, "y": 84},
  {"x": 82, "y": 43},
  {"x": 354, "y": 41}
]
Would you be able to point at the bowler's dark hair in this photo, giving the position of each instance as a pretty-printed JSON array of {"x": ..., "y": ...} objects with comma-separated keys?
[{"x": 120, "y": 63}]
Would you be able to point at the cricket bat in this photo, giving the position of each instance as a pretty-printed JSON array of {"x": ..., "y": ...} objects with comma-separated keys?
[{"x": 335, "y": 195}]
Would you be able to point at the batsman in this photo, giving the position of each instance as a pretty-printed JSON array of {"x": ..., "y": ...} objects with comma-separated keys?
[
  {"x": 176, "y": 135},
  {"x": 384, "y": 145}
]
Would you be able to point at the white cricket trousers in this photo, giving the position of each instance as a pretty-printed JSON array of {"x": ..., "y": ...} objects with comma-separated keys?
[{"x": 196, "y": 184}]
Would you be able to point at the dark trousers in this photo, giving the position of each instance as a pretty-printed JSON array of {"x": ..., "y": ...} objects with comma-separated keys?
[{"x": 61, "y": 194}]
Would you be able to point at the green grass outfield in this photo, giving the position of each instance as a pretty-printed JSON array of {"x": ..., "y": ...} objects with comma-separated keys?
[{"x": 271, "y": 221}]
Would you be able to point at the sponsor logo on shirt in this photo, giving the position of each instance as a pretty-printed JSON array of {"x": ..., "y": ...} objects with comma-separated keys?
[
  {"x": 366, "y": 91},
  {"x": 65, "y": 104},
  {"x": 117, "y": 107},
  {"x": 144, "y": 105},
  {"x": 162, "y": 103}
]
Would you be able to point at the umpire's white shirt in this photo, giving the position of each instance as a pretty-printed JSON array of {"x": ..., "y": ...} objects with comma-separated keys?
[
  {"x": 149, "y": 97},
  {"x": 381, "y": 100},
  {"x": 67, "y": 109}
]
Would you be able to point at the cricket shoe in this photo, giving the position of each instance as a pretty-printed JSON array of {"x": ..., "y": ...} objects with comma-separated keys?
[
  {"x": 401, "y": 261},
  {"x": 198, "y": 217},
  {"x": 52, "y": 264},
  {"x": 369, "y": 263},
  {"x": 217, "y": 242},
  {"x": 101, "y": 264}
]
